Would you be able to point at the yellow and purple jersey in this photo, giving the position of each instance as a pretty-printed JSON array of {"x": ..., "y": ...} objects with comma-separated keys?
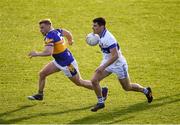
[{"x": 60, "y": 53}]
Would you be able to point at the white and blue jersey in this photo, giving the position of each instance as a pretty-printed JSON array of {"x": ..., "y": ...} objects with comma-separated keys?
[{"x": 107, "y": 42}]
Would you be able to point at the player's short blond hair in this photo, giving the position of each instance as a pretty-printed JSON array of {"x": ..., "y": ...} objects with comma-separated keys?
[{"x": 45, "y": 21}]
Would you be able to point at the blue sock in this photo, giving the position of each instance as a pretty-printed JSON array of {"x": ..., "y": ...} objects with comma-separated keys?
[{"x": 145, "y": 91}]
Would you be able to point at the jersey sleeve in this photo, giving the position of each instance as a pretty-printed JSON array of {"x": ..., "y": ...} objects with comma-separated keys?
[
  {"x": 49, "y": 40},
  {"x": 111, "y": 43},
  {"x": 60, "y": 31}
]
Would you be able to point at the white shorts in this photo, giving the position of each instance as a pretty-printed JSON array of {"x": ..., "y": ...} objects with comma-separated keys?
[
  {"x": 119, "y": 68},
  {"x": 70, "y": 70}
]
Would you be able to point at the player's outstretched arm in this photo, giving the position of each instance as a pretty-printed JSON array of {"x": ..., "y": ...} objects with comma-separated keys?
[
  {"x": 47, "y": 51},
  {"x": 68, "y": 35}
]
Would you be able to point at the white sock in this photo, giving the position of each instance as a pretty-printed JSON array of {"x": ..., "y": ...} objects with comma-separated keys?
[
  {"x": 103, "y": 98},
  {"x": 100, "y": 100}
]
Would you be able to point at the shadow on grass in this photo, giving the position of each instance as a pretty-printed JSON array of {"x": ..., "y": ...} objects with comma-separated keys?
[
  {"x": 12, "y": 111},
  {"x": 15, "y": 120},
  {"x": 117, "y": 113},
  {"x": 100, "y": 117},
  {"x": 16, "y": 110}
]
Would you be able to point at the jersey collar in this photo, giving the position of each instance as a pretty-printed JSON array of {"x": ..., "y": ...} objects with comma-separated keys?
[
  {"x": 102, "y": 34},
  {"x": 50, "y": 30}
]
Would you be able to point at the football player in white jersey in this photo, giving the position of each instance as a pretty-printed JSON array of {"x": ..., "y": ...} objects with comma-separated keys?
[{"x": 113, "y": 62}]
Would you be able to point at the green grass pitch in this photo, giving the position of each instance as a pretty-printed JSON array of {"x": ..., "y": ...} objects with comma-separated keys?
[{"x": 148, "y": 32}]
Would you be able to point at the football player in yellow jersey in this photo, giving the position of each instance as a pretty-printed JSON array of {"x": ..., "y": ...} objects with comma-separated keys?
[{"x": 63, "y": 59}]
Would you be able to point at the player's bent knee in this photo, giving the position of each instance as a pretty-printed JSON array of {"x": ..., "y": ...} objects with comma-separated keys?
[
  {"x": 77, "y": 81},
  {"x": 78, "y": 84},
  {"x": 42, "y": 74},
  {"x": 127, "y": 88},
  {"x": 94, "y": 81}
]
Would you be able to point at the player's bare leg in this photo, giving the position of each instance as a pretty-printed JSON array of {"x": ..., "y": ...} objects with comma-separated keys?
[
  {"x": 81, "y": 82},
  {"x": 95, "y": 82},
  {"x": 49, "y": 69},
  {"x": 128, "y": 86},
  {"x": 77, "y": 79}
]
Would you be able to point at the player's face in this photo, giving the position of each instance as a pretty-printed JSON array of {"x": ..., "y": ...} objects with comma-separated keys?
[
  {"x": 96, "y": 28},
  {"x": 44, "y": 28}
]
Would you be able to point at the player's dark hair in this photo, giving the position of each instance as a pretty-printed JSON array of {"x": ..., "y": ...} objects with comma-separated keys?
[
  {"x": 45, "y": 21},
  {"x": 100, "y": 21}
]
